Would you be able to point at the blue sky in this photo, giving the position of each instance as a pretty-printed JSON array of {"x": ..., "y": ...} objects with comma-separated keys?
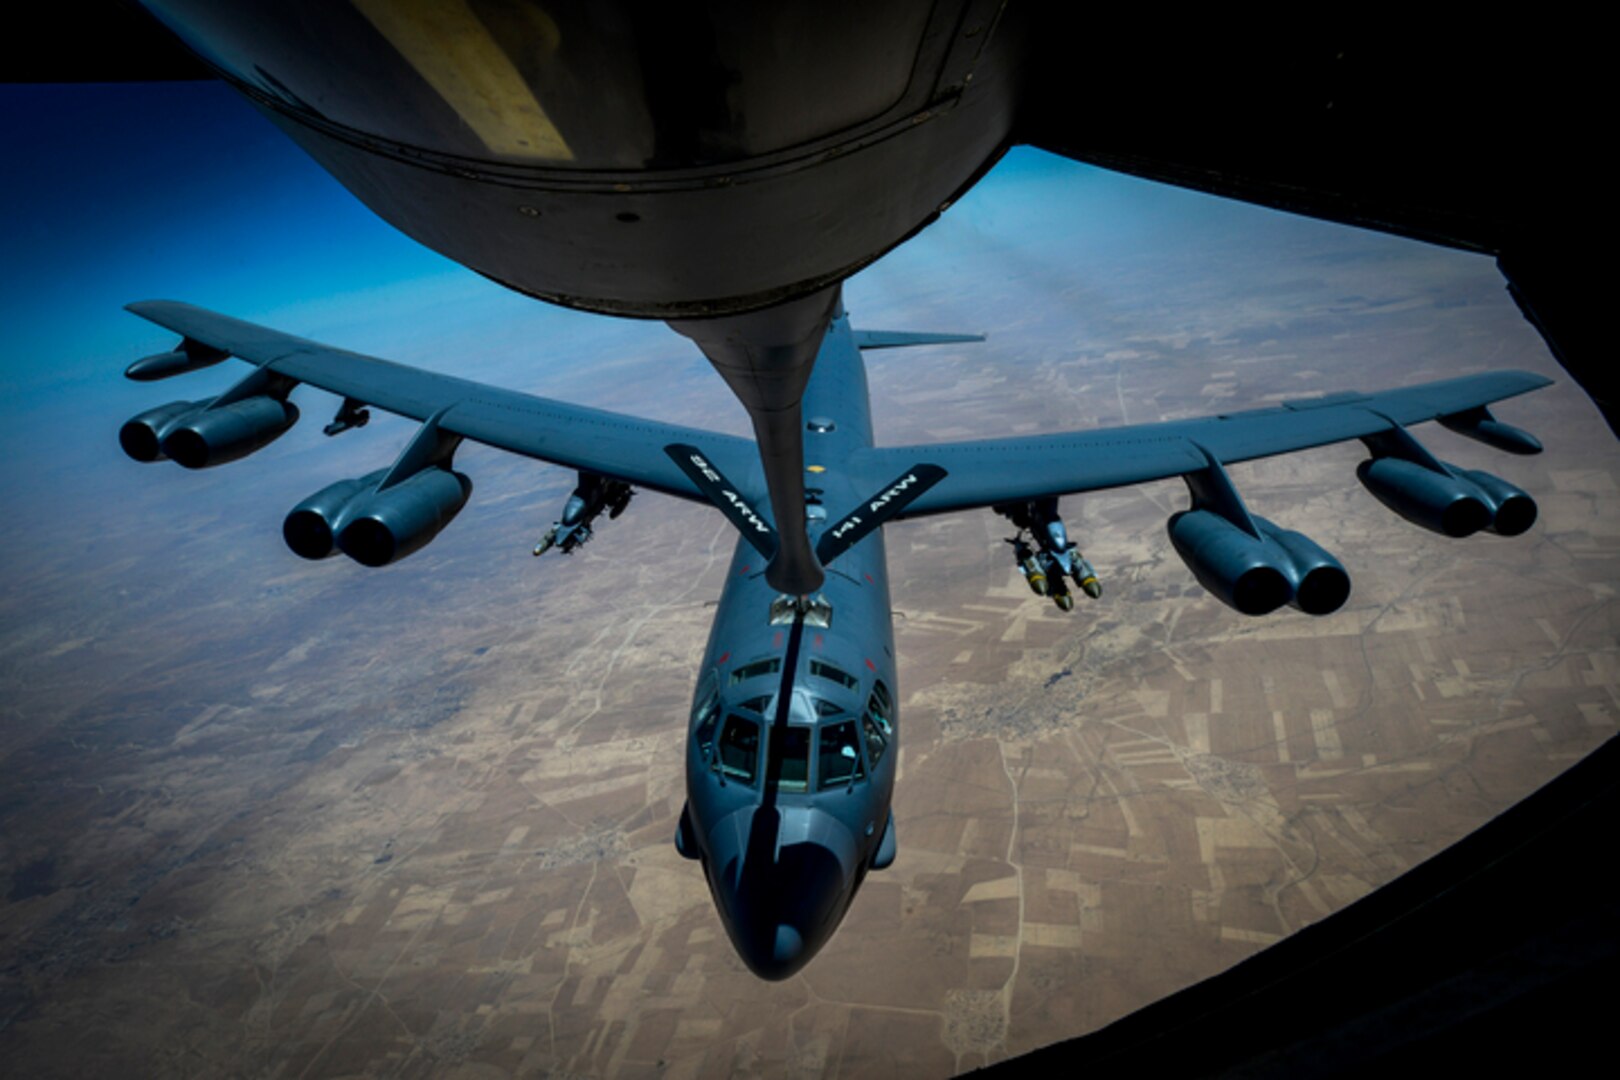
[
  {"x": 182, "y": 191},
  {"x": 177, "y": 190},
  {"x": 117, "y": 193}
]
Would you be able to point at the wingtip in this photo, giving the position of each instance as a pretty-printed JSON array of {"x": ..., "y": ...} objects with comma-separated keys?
[
  {"x": 144, "y": 308},
  {"x": 1532, "y": 380}
]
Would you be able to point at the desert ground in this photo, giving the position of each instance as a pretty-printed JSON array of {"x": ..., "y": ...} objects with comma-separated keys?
[{"x": 270, "y": 818}]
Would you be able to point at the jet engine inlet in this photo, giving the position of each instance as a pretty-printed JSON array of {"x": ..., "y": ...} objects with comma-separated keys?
[
  {"x": 1320, "y": 583},
  {"x": 1513, "y": 510},
  {"x": 382, "y": 526},
  {"x": 311, "y": 527},
  {"x": 142, "y": 436},
  {"x": 215, "y": 436},
  {"x": 1256, "y": 576},
  {"x": 1434, "y": 501}
]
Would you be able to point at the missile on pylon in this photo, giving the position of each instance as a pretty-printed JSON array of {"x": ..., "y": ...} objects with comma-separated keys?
[{"x": 1086, "y": 577}]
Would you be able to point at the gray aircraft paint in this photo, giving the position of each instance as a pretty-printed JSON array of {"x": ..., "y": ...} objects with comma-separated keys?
[
  {"x": 785, "y": 865},
  {"x": 848, "y": 821}
]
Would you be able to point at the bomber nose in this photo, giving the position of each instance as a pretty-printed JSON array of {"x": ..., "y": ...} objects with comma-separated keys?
[
  {"x": 786, "y": 948},
  {"x": 781, "y": 880},
  {"x": 777, "y": 932}
]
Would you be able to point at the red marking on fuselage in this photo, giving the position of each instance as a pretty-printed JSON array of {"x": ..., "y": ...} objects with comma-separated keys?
[
  {"x": 818, "y": 641},
  {"x": 744, "y": 570},
  {"x": 776, "y": 640},
  {"x": 869, "y": 580},
  {"x": 871, "y": 665},
  {"x": 724, "y": 657}
]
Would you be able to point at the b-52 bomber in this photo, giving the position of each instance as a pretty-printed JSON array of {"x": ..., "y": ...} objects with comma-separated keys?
[{"x": 793, "y": 738}]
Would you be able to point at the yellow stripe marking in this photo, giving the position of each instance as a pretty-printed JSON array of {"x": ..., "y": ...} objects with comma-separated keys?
[{"x": 449, "y": 47}]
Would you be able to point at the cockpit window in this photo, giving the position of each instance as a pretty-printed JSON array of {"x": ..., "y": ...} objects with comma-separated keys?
[
  {"x": 876, "y": 743},
  {"x": 881, "y": 706},
  {"x": 738, "y": 758},
  {"x": 705, "y": 714},
  {"x": 840, "y": 756},
  {"x": 838, "y": 675},
  {"x": 755, "y": 704},
  {"x": 825, "y": 707},
  {"x": 792, "y": 743},
  {"x": 757, "y": 668}
]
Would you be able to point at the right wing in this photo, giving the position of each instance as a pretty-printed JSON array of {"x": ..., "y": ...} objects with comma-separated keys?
[{"x": 573, "y": 436}]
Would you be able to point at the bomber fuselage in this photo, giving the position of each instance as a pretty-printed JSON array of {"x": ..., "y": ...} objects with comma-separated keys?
[{"x": 793, "y": 741}]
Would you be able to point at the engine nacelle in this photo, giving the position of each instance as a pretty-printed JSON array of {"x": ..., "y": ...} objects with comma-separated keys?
[
  {"x": 311, "y": 528},
  {"x": 1319, "y": 581},
  {"x": 378, "y": 527},
  {"x": 1258, "y": 576},
  {"x": 1446, "y": 504},
  {"x": 1513, "y": 511},
  {"x": 215, "y": 436},
  {"x": 142, "y": 436},
  {"x": 1238, "y": 569}
]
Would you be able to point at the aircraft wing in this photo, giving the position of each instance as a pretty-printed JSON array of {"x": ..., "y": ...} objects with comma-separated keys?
[
  {"x": 868, "y": 340},
  {"x": 991, "y": 471},
  {"x": 623, "y": 447}
]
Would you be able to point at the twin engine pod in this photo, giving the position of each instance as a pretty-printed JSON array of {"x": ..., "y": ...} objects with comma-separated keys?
[
  {"x": 1257, "y": 576},
  {"x": 1458, "y": 502},
  {"x": 375, "y": 525},
  {"x": 196, "y": 434}
]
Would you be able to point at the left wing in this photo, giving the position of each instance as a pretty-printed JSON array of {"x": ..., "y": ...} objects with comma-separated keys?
[
  {"x": 1246, "y": 561},
  {"x": 991, "y": 472},
  {"x": 591, "y": 440}
]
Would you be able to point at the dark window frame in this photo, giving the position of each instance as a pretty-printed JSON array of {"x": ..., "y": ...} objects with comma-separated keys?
[
  {"x": 706, "y": 714},
  {"x": 881, "y": 705},
  {"x": 733, "y": 773},
  {"x": 771, "y": 665},
  {"x": 833, "y": 673},
  {"x": 783, "y": 784},
  {"x": 869, "y": 729},
  {"x": 755, "y": 704},
  {"x": 862, "y": 768}
]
